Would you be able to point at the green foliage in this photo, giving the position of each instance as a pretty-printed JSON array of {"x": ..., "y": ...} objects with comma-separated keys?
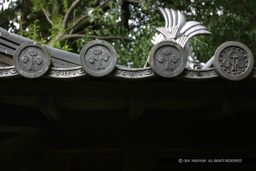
[
  {"x": 65, "y": 47},
  {"x": 32, "y": 32},
  {"x": 65, "y": 4},
  {"x": 227, "y": 20}
]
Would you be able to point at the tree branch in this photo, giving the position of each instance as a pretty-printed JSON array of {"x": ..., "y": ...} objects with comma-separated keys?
[
  {"x": 67, "y": 15},
  {"x": 103, "y": 4},
  {"x": 98, "y": 37},
  {"x": 133, "y": 1},
  {"x": 46, "y": 13},
  {"x": 86, "y": 16},
  {"x": 77, "y": 22}
]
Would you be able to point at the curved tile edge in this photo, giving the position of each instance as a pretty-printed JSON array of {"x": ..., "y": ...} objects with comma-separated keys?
[
  {"x": 200, "y": 74},
  {"x": 8, "y": 72},
  {"x": 65, "y": 73},
  {"x": 133, "y": 73},
  {"x": 120, "y": 72}
]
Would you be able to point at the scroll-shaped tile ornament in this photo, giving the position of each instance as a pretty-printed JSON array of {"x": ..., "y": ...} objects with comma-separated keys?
[
  {"x": 31, "y": 59},
  {"x": 98, "y": 58},
  {"x": 179, "y": 31},
  {"x": 233, "y": 61}
]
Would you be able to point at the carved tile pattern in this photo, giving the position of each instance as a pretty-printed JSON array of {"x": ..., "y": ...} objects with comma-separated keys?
[
  {"x": 167, "y": 58},
  {"x": 8, "y": 72},
  {"x": 134, "y": 74},
  {"x": 97, "y": 58},
  {"x": 66, "y": 73},
  {"x": 234, "y": 60},
  {"x": 31, "y": 59},
  {"x": 200, "y": 74}
]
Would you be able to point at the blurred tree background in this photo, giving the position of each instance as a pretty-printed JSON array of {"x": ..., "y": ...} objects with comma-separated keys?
[{"x": 127, "y": 24}]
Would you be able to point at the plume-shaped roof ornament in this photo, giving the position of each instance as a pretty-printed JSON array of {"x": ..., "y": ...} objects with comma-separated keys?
[{"x": 178, "y": 30}]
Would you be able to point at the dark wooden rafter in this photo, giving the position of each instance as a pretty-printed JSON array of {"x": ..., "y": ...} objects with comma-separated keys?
[
  {"x": 171, "y": 119},
  {"x": 18, "y": 129},
  {"x": 135, "y": 110},
  {"x": 49, "y": 109},
  {"x": 138, "y": 154},
  {"x": 20, "y": 147}
]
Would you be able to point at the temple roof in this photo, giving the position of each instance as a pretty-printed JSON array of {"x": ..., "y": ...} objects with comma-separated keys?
[{"x": 15, "y": 53}]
